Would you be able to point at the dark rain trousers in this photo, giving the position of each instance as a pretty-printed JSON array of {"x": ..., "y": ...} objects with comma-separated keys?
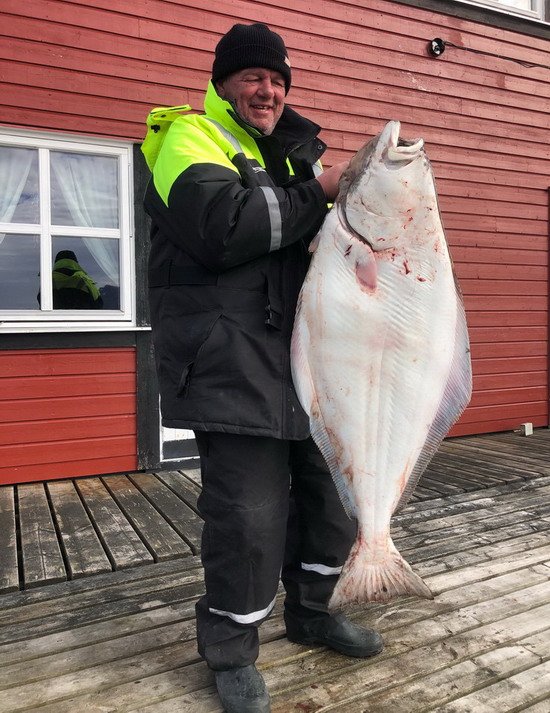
[{"x": 270, "y": 508}]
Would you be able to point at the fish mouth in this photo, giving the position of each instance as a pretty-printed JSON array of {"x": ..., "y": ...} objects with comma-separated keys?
[
  {"x": 397, "y": 150},
  {"x": 390, "y": 153}
]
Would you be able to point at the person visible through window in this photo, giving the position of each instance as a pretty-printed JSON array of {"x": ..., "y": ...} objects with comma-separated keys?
[{"x": 73, "y": 288}]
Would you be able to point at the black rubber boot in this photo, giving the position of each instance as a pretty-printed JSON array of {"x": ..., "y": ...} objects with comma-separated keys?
[
  {"x": 242, "y": 690},
  {"x": 337, "y": 632}
]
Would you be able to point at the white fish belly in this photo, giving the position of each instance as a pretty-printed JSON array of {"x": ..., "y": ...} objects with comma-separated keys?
[{"x": 378, "y": 363}]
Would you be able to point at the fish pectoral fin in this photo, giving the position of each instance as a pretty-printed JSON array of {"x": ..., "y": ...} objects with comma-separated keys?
[{"x": 366, "y": 270}]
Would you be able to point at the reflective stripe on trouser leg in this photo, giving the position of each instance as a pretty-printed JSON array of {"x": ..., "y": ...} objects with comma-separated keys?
[
  {"x": 251, "y": 618},
  {"x": 320, "y": 568},
  {"x": 320, "y": 534},
  {"x": 244, "y": 503}
]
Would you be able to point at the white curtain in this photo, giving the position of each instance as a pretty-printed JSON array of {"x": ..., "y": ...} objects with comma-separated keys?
[
  {"x": 15, "y": 166},
  {"x": 89, "y": 192}
]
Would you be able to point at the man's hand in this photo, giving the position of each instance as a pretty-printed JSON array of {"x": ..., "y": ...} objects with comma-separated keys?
[{"x": 330, "y": 179}]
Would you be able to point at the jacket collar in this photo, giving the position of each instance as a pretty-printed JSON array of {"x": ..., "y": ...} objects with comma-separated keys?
[{"x": 292, "y": 129}]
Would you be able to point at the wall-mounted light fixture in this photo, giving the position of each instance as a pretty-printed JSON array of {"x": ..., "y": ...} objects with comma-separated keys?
[{"x": 436, "y": 47}]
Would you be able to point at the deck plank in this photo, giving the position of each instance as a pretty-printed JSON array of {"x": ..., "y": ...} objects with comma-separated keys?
[
  {"x": 83, "y": 549},
  {"x": 526, "y": 687},
  {"x": 462, "y": 466},
  {"x": 9, "y": 572},
  {"x": 119, "y": 538},
  {"x": 436, "y": 472},
  {"x": 541, "y": 707},
  {"x": 163, "y": 540},
  {"x": 440, "y": 486},
  {"x": 436, "y": 688},
  {"x": 541, "y": 494},
  {"x": 30, "y": 603},
  {"x": 41, "y": 556},
  {"x": 178, "y": 606},
  {"x": 468, "y": 501},
  {"x": 181, "y": 517},
  {"x": 90, "y": 607},
  {"x": 507, "y": 538},
  {"x": 182, "y": 485},
  {"x": 194, "y": 474},
  {"x": 423, "y": 493},
  {"x": 491, "y": 459},
  {"x": 482, "y": 471}
]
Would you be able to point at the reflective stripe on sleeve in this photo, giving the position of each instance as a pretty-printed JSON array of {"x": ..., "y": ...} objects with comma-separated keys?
[
  {"x": 320, "y": 568},
  {"x": 274, "y": 218},
  {"x": 245, "y": 618}
]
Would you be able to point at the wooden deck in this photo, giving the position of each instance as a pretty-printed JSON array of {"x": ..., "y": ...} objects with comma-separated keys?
[
  {"x": 478, "y": 531},
  {"x": 63, "y": 530},
  {"x": 68, "y": 529}
]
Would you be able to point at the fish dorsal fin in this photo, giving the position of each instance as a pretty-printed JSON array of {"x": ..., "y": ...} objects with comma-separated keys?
[{"x": 454, "y": 400}]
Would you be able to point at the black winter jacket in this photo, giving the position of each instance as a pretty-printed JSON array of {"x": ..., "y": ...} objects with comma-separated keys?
[{"x": 232, "y": 215}]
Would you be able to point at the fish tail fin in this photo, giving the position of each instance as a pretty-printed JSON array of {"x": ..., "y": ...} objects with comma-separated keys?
[{"x": 375, "y": 577}]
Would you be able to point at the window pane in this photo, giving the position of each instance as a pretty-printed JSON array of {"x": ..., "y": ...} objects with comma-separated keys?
[
  {"x": 19, "y": 185},
  {"x": 521, "y": 4},
  {"x": 84, "y": 190},
  {"x": 86, "y": 273},
  {"x": 19, "y": 271}
]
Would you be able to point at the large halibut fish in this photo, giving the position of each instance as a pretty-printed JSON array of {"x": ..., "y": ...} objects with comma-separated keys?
[{"x": 380, "y": 351}]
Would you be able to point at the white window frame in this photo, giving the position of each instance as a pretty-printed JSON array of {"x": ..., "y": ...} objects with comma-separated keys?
[
  {"x": 537, "y": 13},
  {"x": 46, "y": 319},
  {"x": 168, "y": 435}
]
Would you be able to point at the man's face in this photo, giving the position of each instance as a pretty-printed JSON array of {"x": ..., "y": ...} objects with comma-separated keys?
[{"x": 258, "y": 95}]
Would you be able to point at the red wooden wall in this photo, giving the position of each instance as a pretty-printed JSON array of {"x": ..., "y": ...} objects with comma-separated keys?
[
  {"x": 66, "y": 413},
  {"x": 97, "y": 66}
]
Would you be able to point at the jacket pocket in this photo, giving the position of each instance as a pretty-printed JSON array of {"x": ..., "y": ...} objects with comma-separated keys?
[{"x": 196, "y": 344}]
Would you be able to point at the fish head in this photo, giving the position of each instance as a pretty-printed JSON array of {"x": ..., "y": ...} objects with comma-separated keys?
[{"x": 388, "y": 182}]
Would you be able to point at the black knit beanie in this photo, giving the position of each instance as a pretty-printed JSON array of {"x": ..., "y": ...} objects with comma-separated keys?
[
  {"x": 251, "y": 46},
  {"x": 65, "y": 255}
]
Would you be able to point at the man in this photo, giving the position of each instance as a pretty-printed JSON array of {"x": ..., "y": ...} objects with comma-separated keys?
[
  {"x": 236, "y": 196},
  {"x": 73, "y": 288}
]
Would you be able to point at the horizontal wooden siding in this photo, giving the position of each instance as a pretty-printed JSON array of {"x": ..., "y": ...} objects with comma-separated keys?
[
  {"x": 66, "y": 413},
  {"x": 97, "y": 67}
]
